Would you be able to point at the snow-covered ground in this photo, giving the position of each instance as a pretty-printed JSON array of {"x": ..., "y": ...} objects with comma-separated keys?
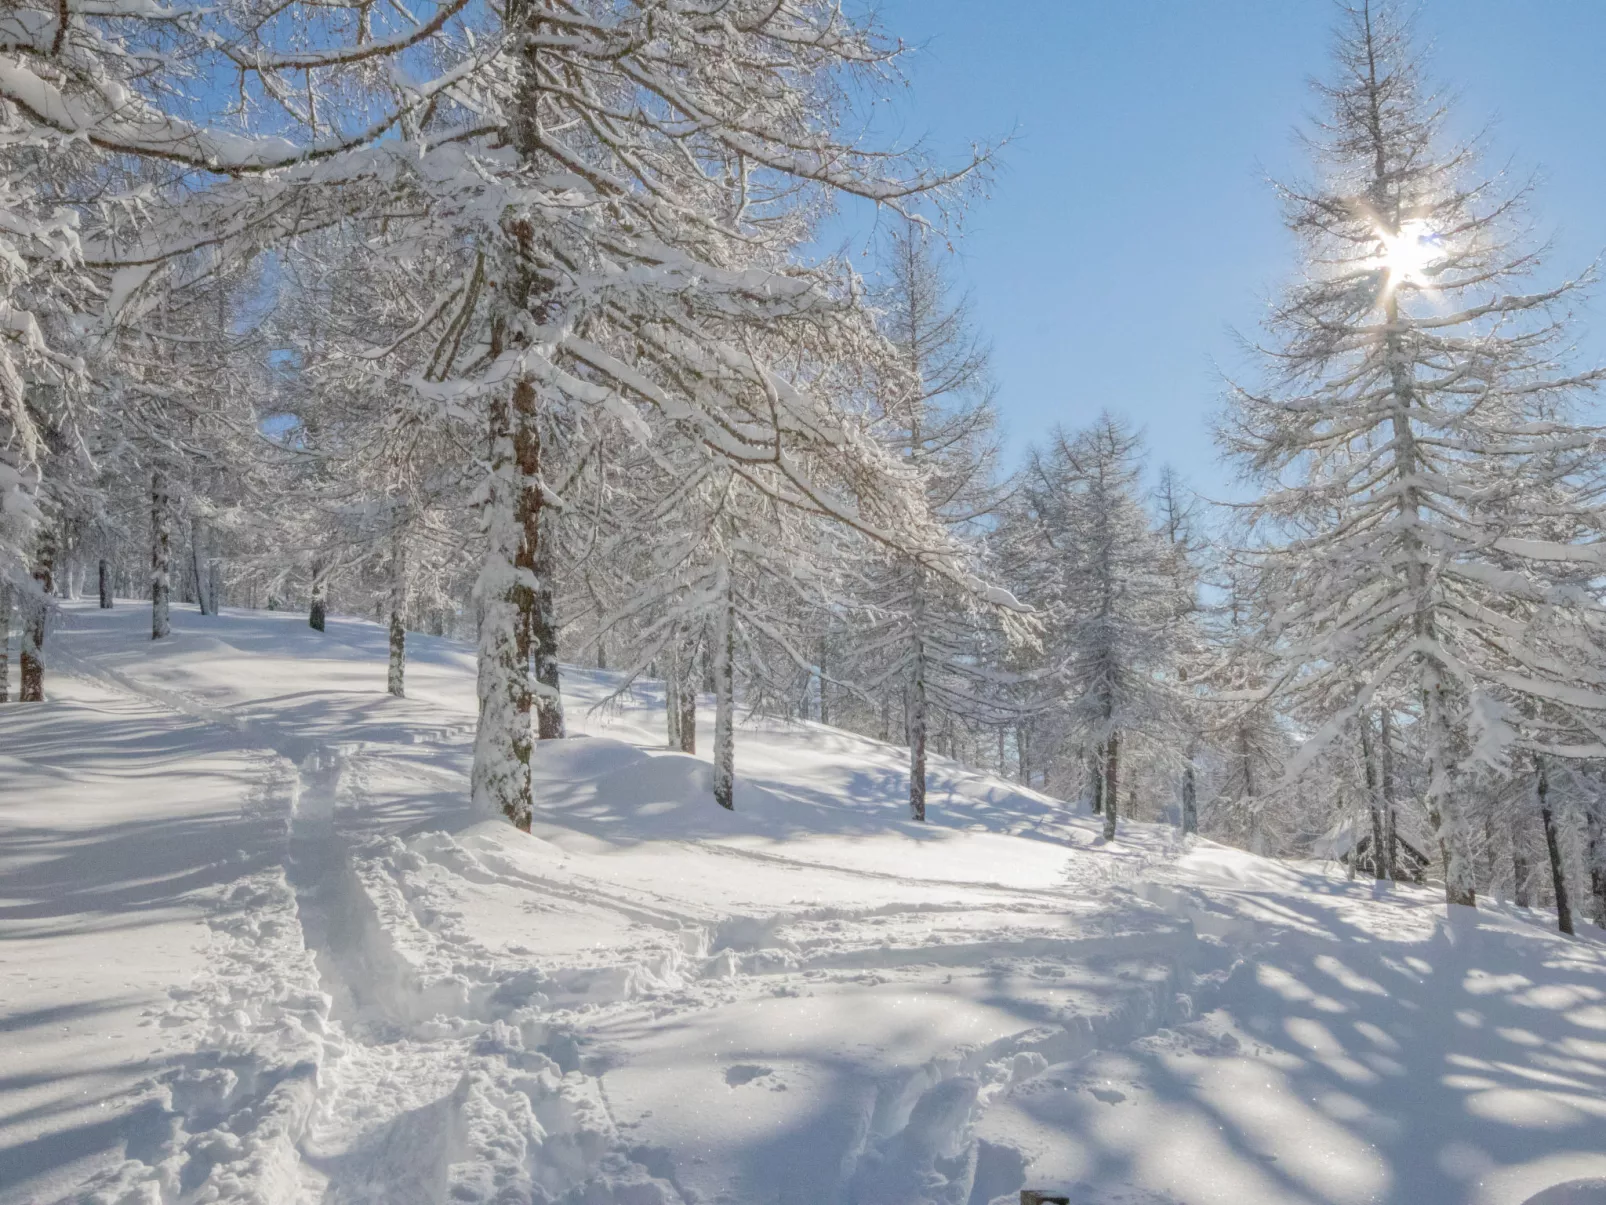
[{"x": 254, "y": 948}]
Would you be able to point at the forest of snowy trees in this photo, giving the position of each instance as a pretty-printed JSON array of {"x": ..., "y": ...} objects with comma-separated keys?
[{"x": 509, "y": 323}]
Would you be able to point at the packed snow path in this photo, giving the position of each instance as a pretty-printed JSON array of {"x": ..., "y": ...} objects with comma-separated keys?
[{"x": 255, "y": 949}]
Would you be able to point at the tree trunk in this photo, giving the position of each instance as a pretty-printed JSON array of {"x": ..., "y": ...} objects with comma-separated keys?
[
  {"x": 1558, "y": 874},
  {"x": 198, "y": 560},
  {"x": 917, "y": 734},
  {"x": 1521, "y": 869},
  {"x": 688, "y": 698},
  {"x": 161, "y": 552},
  {"x": 318, "y": 610},
  {"x": 825, "y": 690},
  {"x": 500, "y": 777},
  {"x": 105, "y": 585},
  {"x": 37, "y": 618},
  {"x": 1190, "y": 797},
  {"x": 1095, "y": 765},
  {"x": 1596, "y": 828},
  {"x": 672, "y": 688},
  {"x": 544, "y": 642},
  {"x": 725, "y": 696},
  {"x": 1112, "y": 782},
  {"x": 395, "y": 678},
  {"x": 5, "y": 641},
  {"x": 1391, "y": 836},
  {"x": 1374, "y": 799}
]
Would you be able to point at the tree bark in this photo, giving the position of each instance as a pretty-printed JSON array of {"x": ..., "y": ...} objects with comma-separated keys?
[
  {"x": 1190, "y": 797},
  {"x": 396, "y": 674},
  {"x": 1521, "y": 869},
  {"x": 825, "y": 690},
  {"x": 917, "y": 708},
  {"x": 1596, "y": 831},
  {"x": 1391, "y": 837},
  {"x": 500, "y": 777},
  {"x": 1558, "y": 874},
  {"x": 318, "y": 610},
  {"x": 161, "y": 553},
  {"x": 198, "y": 564},
  {"x": 105, "y": 585},
  {"x": 36, "y": 620},
  {"x": 725, "y": 696},
  {"x": 5, "y": 641},
  {"x": 1112, "y": 783},
  {"x": 688, "y": 698},
  {"x": 544, "y": 638},
  {"x": 1095, "y": 765},
  {"x": 672, "y": 688},
  {"x": 1374, "y": 798}
]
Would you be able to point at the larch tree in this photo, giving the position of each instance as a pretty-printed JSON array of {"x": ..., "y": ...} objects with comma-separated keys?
[
  {"x": 1415, "y": 417},
  {"x": 1110, "y": 598},
  {"x": 923, "y": 638}
]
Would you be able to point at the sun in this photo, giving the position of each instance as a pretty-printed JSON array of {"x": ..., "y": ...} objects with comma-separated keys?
[{"x": 1413, "y": 256}]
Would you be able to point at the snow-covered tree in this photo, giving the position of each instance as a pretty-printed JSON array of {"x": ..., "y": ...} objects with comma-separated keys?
[
  {"x": 1415, "y": 427},
  {"x": 1111, "y": 599}
]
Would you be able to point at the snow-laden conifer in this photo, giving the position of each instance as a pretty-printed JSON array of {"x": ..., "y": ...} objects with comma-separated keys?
[{"x": 1416, "y": 422}]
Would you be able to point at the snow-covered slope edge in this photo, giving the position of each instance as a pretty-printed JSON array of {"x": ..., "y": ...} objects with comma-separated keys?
[{"x": 813, "y": 1001}]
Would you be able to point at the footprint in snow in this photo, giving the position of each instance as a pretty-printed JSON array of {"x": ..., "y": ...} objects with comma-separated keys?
[
  {"x": 738, "y": 1074},
  {"x": 1110, "y": 1096}
]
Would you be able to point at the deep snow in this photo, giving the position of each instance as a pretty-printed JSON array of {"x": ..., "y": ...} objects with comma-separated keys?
[{"x": 255, "y": 948}]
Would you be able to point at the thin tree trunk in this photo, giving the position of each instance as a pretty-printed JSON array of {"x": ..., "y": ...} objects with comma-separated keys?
[
  {"x": 1112, "y": 783},
  {"x": 1521, "y": 869},
  {"x": 198, "y": 563},
  {"x": 37, "y": 618},
  {"x": 1374, "y": 799},
  {"x": 1190, "y": 796},
  {"x": 395, "y": 678},
  {"x": 1095, "y": 765},
  {"x": 1558, "y": 874},
  {"x": 1391, "y": 835},
  {"x": 161, "y": 552},
  {"x": 500, "y": 777},
  {"x": 105, "y": 585},
  {"x": 825, "y": 693},
  {"x": 1596, "y": 830},
  {"x": 725, "y": 696},
  {"x": 672, "y": 688},
  {"x": 5, "y": 641}
]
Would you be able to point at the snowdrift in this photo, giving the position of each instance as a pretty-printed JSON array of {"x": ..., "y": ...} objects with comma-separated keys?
[{"x": 258, "y": 949}]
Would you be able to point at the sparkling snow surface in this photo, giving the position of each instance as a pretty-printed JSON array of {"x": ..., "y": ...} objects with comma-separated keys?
[{"x": 254, "y": 948}]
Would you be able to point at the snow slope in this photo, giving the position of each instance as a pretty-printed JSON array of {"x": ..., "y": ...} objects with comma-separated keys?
[{"x": 255, "y": 949}]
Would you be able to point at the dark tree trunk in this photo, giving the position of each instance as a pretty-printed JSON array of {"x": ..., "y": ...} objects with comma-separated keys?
[
  {"x": 1190, "y": 797},
  {"x": 1112, "y": 783},
  {"x": 36, "y": 621},
  {"x": 724, "y": 660},
  {"x": 1558, "y": 875},
  {"x": 105, "y": 585},
  {"x": 1095, "y": 765},
  {"x": 1597, "y": 857},
  {"x": 318, "y": 610},
  {"x": 161, "y": 557}
]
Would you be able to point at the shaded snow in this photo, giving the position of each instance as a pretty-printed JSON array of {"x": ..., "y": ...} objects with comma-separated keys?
[{"x": 258, "y": 949}]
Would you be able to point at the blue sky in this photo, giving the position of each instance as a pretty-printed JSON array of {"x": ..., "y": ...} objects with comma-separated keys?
[{"x": 1130, "y": 228}]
